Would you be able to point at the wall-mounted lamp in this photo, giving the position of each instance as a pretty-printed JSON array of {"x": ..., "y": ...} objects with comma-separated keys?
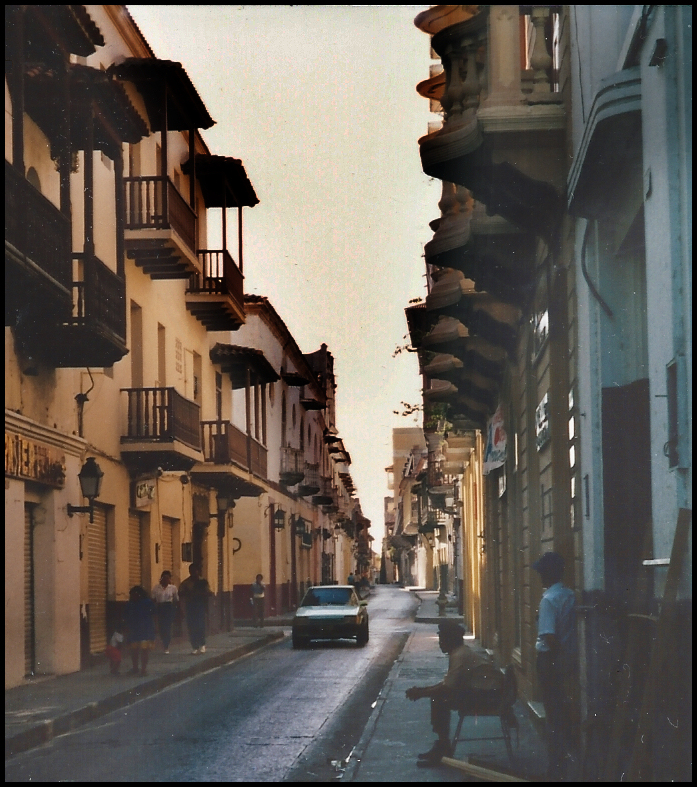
[
  {"x": 300, "y": 525},
  {"x": 279, "y": 519},
  {"x": 90, "y": 478}
]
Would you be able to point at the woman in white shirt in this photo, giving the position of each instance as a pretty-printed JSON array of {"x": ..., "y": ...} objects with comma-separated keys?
[{"x": 166, "y": 597}]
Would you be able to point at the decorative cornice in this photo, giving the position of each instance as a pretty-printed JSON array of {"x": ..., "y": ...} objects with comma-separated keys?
[{"x": 20, "y": 424}]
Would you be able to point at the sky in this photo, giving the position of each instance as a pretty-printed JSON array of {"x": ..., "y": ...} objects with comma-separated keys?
[{"x": 320, "y": 104}]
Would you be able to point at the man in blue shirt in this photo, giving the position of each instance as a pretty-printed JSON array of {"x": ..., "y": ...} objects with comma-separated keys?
[{"x": 557, "y": 652}]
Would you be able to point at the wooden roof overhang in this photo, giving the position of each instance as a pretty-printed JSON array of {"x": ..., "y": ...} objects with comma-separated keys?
[
  {"x": 156, "y": 79},
  {"x": 224, "y": 181},
  {"x": 237, "y": 361},
  {"x": 68, "y": 29},
  {"x": 96, "y": 101},
  {"x": 94, "y": 93}
]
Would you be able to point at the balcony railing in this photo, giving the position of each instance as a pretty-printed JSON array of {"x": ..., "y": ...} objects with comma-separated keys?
[
  {"x": 161, "y": 415},
  {"x": 219, "y": 276},
  {"x": 292, "y": 465},
  {"x": 36, "y": 228},
  {"x": 325, "y": 494},
  {"x": 99, "y": 297},
  {"x": 224, "y": 443},
  {"x": 154, "y": 203},
  {"x": 310, "y": 484}
]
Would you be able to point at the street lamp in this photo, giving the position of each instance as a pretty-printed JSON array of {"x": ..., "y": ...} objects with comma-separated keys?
[
  {"x": 90, "y": 478},
  {"x": 279, "y": 519}
]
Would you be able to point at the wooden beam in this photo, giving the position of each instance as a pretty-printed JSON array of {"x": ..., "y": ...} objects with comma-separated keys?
[{"x": 485, "y": 774}]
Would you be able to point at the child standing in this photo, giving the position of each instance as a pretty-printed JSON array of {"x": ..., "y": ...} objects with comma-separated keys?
[{"x": 113, "y": 652}]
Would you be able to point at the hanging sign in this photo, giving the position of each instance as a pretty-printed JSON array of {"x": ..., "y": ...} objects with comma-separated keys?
[{"x": 495, "y": 452}]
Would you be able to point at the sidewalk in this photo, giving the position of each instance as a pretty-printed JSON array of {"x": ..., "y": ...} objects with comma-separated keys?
[
  {"x": 41, "y": 709},
  {"x": 398, "y": 729}
]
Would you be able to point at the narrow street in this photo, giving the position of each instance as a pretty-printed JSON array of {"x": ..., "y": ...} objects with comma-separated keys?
[{"x": 278, "y": 715}]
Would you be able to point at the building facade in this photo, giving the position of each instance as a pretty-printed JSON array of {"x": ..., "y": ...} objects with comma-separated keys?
[
  {"x": 125, "y": 364},
  {"x": 556, "y": 333}
]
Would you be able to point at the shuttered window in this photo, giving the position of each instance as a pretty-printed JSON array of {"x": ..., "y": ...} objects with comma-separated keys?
[
  {"x": 97, "y": 580},
  {"x": 29, "y": 618},
  {"x": 135, "y": 549},
  {"x": 167, "y": 558}
]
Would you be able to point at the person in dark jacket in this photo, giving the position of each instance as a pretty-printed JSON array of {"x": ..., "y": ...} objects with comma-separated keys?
[
  {"x": 140, "y": 626},
  {"x": 194, "y": 592}
]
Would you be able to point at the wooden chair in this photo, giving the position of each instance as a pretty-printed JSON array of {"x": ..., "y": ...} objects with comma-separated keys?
[{"x": 492, "y": 703}]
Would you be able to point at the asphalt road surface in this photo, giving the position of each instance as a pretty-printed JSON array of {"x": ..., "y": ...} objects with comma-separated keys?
[{"x": 277, "y": 715}]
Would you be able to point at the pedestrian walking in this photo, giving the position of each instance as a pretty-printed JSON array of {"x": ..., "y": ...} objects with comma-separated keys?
[
  {"x": 258, "y": 601},
  {"x": 166, "y": 599},
  {"x": 557, "y": 653},
  {"x": 351, "y": 580},
  {"x": 140, "y": 625},
  {"x": 194, "y": 592}
]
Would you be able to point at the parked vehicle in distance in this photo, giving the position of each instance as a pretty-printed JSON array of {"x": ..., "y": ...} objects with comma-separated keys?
[{"x": 330, "y": 612}]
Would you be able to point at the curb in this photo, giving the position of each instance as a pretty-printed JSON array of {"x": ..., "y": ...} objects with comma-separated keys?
[
  {"x": 47, "y": 730},
  {"x": 354, "y": 760}
]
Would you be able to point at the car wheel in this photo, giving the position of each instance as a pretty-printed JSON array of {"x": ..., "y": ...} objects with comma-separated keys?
[
  {"x": 363, "y": 635},
  {"x": 299, "y": 642}
]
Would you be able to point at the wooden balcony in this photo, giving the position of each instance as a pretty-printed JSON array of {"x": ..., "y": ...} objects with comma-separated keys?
[
  {"x": 160, "y": 228},
  {"x": 163, "y": 430},
  {"x": 292, "y": 465},
  {"x": 95, "y": 333},
  {"x": 215, "y": 295},
  {"x": 224, "y": 443},
  {"x": 37, "y": 250}
]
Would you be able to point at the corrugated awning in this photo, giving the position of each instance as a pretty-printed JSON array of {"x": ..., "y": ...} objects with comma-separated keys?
[{"x": 236, "y": 360}]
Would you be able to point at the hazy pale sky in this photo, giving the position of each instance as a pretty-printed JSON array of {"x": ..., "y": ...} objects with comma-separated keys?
[{"x": 320, "y": 104}]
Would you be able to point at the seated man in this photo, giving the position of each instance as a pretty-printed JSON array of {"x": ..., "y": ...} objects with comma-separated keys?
[{"x": 470, "y": 676}]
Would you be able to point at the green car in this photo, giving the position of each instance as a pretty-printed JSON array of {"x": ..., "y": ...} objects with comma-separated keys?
[{"x": 330, "y": 612}]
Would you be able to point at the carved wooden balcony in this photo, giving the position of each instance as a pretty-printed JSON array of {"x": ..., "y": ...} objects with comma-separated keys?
[
  {"x": 163, "y": 429},
  {"x": 227, "y": 451},
  {"x": 160, "y": 228},
  {"x": 215, "y": 295},
  {"x": 95, "y": 333},
  {"x": 37, "y": 250}
]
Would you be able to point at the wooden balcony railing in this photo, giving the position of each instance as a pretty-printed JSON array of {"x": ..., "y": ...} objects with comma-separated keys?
[
  {"x": 99, "y": 297},
  {"x": 219, "y": 275},
  {"x": 36, "y": 228},
  {"x": 162, "y": 414},
  {"x": 154, "y": 203},
  {"x": 224, "y": 443}
]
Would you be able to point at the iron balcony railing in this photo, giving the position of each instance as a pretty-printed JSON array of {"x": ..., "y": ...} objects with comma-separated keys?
[
  {"x": 162, "y": 414},
  {"x": 154, "y": 203},
  {"x": 292, "y": 465}
]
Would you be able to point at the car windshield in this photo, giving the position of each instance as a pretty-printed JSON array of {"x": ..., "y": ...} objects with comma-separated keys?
[{"x": 319, "y": 597}]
